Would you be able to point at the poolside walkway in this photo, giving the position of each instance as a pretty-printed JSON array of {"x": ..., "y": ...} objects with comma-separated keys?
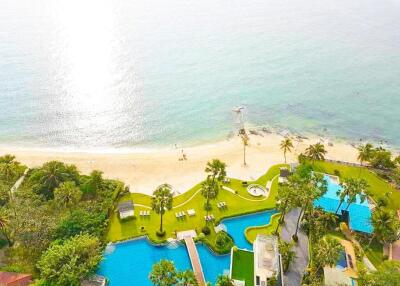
[
  {"x": 296, "y": 270},
  {"x": 195, "y": 260}
]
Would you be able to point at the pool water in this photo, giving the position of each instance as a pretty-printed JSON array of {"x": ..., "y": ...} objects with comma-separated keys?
[
  {"x": 342, "y": 263},
  {"x": 359, "y": 212},
  {"x": 130, "y": 262}
]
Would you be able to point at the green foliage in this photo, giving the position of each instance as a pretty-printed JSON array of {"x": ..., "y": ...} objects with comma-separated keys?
[
  {"x": 48, "y": 177},
  {"x": 386, "y": 225},
  {"x": 388, "y": 275},
  {"x": 351, "y": 188},
  {"x": 316, "y": 152},
  {"x": 10, "y": 169},
  {"x": 286, "y": 146},
  {"x": 288, "y": 255},
  {"x": 206, "y": 230},
  {"x": 80, "y": 221},
  {"x": 224, "y": 280},
  {"x": 67, "y": 194},
  {"x": 65, "y": 263},
  {"x": 382, "y": 159},
  {"x": 326, "y": 252},
  {"x": 223, "y": 241},
  {"x": 162, "y": 200},
  {"x": 163, "y": 273},
  {"x": 186, "y": 278}
]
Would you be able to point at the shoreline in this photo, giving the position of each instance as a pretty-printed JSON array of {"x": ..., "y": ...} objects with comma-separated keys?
[{"x": 144, "y": 170}]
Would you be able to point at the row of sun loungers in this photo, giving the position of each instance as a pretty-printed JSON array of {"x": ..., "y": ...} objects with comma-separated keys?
[
  {"x": 144, "y": 213},
  {"x": 180, "y": 214},
  {"x": 221, "y": 205},
  {"x": 209, "y": 217}
]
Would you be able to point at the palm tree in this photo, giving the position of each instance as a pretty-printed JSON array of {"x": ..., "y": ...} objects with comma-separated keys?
[
  {"x": 96, "y": 181},
  {"x": 245, "y": 140},
  {"x": 288, "y": 255},
  {"x": 49, "y": 177},
  {"x": 365, "y": 153},
  {"x": 310, "y": 187},
  {"x": 67, "y": 194},
  {"x": 210, "y": 190},
  {"x": 356, "y": 188},
  {"x": 286, "y": 146},
  {"x": 327, "y": 252},
  {"x": 186, "y": 278},
  {"x": 216, "y": 170},
  {"x": 163, "y": 273},
  {"x": 8, "y": 167},
  {"x": 224, "y": 280},
  {"x": 162, "y": 201},
  {"x": 344, "y": 191},
  {"x": 316, "y": 152},
  {"x": 386, "y": 226},
  {"x": 285, "y": 202}
]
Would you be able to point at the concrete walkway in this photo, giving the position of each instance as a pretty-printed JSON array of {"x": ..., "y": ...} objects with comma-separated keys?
[{"x": 297, "y": 268}]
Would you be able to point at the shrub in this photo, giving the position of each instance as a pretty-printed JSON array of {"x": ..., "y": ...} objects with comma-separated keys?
[
  {"x": 206, "y": 230},
  {"x": 336, "y": 172},
  {"x": 222, "y": 239},
  {"x": 160, "y": 233}
]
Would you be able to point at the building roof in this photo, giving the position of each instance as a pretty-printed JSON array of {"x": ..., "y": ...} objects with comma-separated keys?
[
  {"x": 11, "y": 277},
  {"x": 266, "y": 254},
  {"x": 125, "y": 206}
]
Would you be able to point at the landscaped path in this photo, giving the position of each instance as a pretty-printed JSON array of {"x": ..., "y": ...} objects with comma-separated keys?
[
  {"x": 195, "y": 260},
  {"x": 297, "y": 268},
  {"x": 18, "y": 182}
]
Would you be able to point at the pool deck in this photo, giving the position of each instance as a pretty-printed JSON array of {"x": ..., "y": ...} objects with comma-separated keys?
[{"x": 195, "y": 260}]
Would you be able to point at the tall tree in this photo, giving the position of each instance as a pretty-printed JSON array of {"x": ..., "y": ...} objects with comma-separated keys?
[
  {"x": 67, "y": 194},
  {"x": 66, "y": 263},
  {"x": 356, "y": 188},
  {"x": 245, "y": 141},
  {"x": 285, "y": 202},
  {"x": 96, "y": 182},
  {"x": 216, "y": 172},
  {"x": 51, "y": 175},
  {"x": 316, "y": 152},
  {"x": 163, "y": 273},
  {"x": 388, "y": 275},
  {"x": 162, "y": 201},
  {"x": 209, "y": 190},
  {"x": 386, "y": 226},
  {"x": 4, "y": 226},
  {"x": 310, "y": 186},
  {"x": 8, "y": 168},
  {"x": 326, "y": 252},
  {"x": 286, "y": 146},
  {"x": 365, "y": 153}
]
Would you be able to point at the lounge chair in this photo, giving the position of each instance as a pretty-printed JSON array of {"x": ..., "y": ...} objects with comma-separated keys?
[
  {"x": 191, "y": 212},
  {"x": 141, "y": 213}
]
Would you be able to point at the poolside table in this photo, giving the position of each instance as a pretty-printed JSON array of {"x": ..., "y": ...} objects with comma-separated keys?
[{"x": 191, "y": 212}]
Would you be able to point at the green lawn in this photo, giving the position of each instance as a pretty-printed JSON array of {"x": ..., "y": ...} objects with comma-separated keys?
[
  {"x": 243, "y": 266},
  {"x": 236, "y": 205},
  {"x": 252, "y": 232}
]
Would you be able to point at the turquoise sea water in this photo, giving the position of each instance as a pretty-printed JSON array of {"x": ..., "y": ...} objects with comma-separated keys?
[
  {"x": 131, "y": 262},
  {"x": 131, "y": 73}
]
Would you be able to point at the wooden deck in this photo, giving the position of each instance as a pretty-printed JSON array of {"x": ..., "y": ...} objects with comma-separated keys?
[{"x": 195, "y": 260}]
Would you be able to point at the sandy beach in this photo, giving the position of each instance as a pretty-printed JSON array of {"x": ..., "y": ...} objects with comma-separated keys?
[{"x": 143, "y": 171}]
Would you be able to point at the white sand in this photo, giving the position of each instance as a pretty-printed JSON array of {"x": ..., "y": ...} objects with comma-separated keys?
[{"x": 144, "y": 171}]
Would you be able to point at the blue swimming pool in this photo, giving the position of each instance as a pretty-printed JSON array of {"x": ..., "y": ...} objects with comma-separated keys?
[
  {"x": 129, "y": 263},
  {"x": 342, "y": 262},
  {"x": 359, "y": 212}
]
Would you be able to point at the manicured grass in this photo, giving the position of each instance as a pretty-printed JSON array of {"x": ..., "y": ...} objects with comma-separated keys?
[
  {"x": 243, "y": 266},
  {"x": 374, "y": 252},
  {"x": 252, "y": 232},
  {"x": 235, "y": 206},
  {"x": 377, "y": 186}
]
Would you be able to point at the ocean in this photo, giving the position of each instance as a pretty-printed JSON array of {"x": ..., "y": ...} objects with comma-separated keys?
[{"x": 99, "y": 74}]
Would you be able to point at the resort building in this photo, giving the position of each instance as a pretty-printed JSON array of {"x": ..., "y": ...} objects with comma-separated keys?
[
  {"x": 266, "y": 259},
  {"x": 15, "y": 279},
  {"x": 126, "y": 209},
  {"x": 260, "y": 267}
]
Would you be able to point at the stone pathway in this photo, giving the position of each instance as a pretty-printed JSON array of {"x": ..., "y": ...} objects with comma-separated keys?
[{"x": 296, "y": 270}]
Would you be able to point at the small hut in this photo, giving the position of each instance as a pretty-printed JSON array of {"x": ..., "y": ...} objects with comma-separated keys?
[{"x": 126, "y": 209}]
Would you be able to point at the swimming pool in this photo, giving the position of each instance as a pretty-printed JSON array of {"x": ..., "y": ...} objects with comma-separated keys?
[
  {"x": 130, "y": 262},
  {"x": 359, "y": 212}
]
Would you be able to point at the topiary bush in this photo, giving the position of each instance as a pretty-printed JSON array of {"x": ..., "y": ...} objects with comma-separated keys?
[
  {"x": 160, "y": 233},
  {"x": 206, "y": 230},
  {"x": 223, "y": 241}
]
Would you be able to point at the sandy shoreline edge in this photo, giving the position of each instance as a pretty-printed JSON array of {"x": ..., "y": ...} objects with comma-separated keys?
[{"x": 144, "y": 170}]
